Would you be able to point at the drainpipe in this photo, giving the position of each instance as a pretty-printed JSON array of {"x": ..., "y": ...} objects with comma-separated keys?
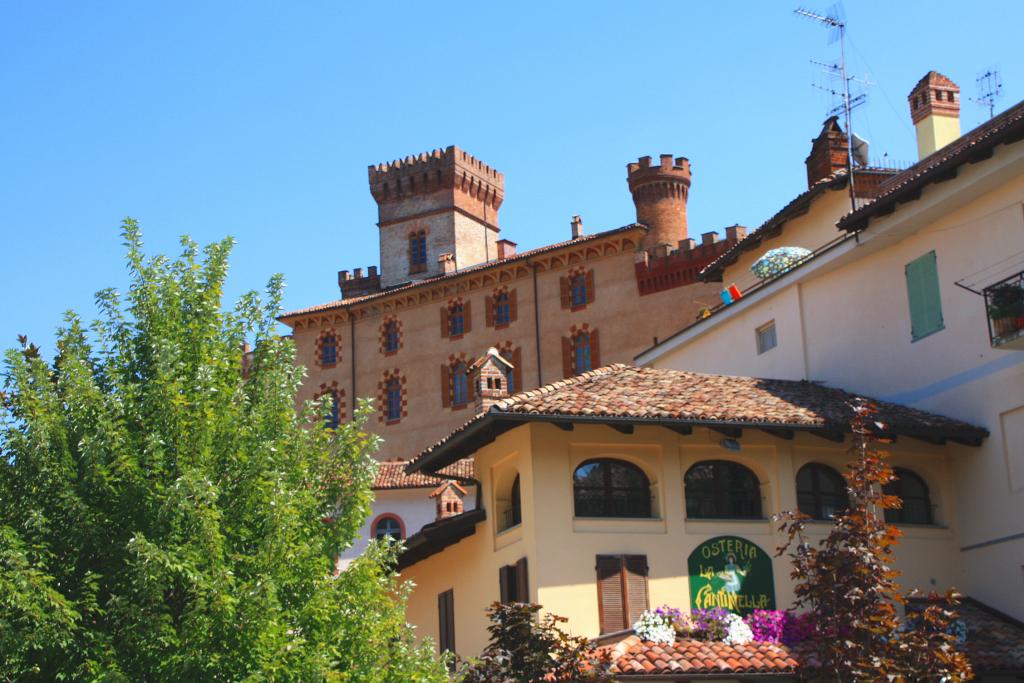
[{"x": 536, "y": 325}]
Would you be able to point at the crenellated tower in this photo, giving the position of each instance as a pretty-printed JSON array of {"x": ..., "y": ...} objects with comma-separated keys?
[
  {"x": 660, "y": 193},
  {"x": 434, "y": 204}
]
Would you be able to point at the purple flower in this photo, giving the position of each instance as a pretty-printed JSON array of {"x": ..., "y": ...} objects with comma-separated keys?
[{"x": 767, "y": 625}]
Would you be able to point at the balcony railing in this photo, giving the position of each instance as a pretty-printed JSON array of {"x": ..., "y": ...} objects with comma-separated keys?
[{"x": 1004, "y": 302}]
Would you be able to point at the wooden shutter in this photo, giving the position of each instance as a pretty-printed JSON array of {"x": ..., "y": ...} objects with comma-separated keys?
[
  {"x": 513, "y": 308},
  {"x": 504, "y": 581},
  {"x": 923, "y": 296},
  {"x": 446, "y": 620},
  {"x": 444, "y": 321},
  {"x": 566, "y": 357},
  {"x": 635, "y": 580},
  {"x": 611, "y": 606},
  {"x": 467, "y": 319},
  {"x": 590, "y": 286},
  {"x": 470, "y": 385},
  {"x": 563, "y": 283},
  {"x": 517, "y": 370},
  {"x": 595, "y": 350},
  {"x": 489, "y": 311},
  {"x": 446, "y": 386},
  {"x": 522, "y": 581}
]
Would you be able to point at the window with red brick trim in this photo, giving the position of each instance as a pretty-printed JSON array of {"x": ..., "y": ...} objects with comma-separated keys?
[
  {"x": 328, "y": 352},
  {"x": 392, "y": 404},
  {"x": 501, "y": 308},
  {"x": 577, "y": 289},
  {"x": 418, "y": 251},
  {"x": 581, "y": 351},
  {"x": 456, "y": 319},
  {"x": 337, "y": 412},
  {"x": 387, "y": 524},
  {"x": 457, "y": 389},
  {"x": 390, "y": 336}
]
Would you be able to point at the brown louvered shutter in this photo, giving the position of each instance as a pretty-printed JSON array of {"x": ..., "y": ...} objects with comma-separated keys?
[
  {"x": 446, "y": 620},
  {"x": 444, "y": 321},
  {"x": 566, "y": 357},
  {"x": 446, "y": 386},
  {"x": 590, "y": 286},
  {"x": 517, "y": 371},
  {"x": 513, "y": 308},
  {"x": 563, "y": 283},
  {"x": 611, "y": 606},
  {"x": 522, "y": 581},
  {"x": 504, "y": 582},
  {"x": 595, "y": 350},
  {"x": 467, "y": 319},
  {"x": 470, "y": 385},
  {"x": 636, "y": 587},
  {"x": 489, "y": 311}
]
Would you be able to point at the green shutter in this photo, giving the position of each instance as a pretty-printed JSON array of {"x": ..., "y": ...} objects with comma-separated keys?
[{"x": 923, "y": 296}]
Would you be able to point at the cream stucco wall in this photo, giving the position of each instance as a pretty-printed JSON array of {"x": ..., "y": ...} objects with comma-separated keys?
[
  {"x": 846, "y": 322},
  {"x": 561, "y": 549}
]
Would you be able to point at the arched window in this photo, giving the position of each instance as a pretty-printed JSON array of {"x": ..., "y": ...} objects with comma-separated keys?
[
  {"x": 581, "y": 353},
  {"x": 820, "y": 491},
  {"x": 391, "y": 336},
  {"x": 417, "y": 252},
  {"x": 456, "y": 320},
  {"x": 333, "y": 418},
  {"x": 578, "y": 288},
  {"x": 328, "y": 349},
  {"x": 394, "y": 399},
  {"x": 611, "y": 488},
  {"x": 917, "y": 504},
  {"x": 718, "y": 489},
  {"x": 388, "y": 525},
  {"x": 502, "y": 312},
  {"x": 460, "y": 385}
]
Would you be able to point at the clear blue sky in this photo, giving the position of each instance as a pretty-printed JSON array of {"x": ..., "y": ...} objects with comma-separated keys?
[{"x": 258, "y": 120}]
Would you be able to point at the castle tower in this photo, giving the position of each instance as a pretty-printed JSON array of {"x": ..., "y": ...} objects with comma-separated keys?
[
  {"x": 442, "y": 202},
  {"x": 935, "y": 111},
  {"x": 828, "y": 152},
  {"x": 660, "y": 193}
]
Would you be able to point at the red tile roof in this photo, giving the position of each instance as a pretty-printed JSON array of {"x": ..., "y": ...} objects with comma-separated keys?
[
  {"x": 342, "y": 303},
  {"x": 391, "y": 475},
  {"x": 623, "y": 393},
  {"x": 995, "y": 643}
]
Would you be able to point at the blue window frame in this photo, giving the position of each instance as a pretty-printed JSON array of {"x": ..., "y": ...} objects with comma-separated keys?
[
  {"x": 456, "y": 321},
  {"x": 418, "y": 249},
  {"x": 579, "y": 290},
  {"x": 328, "y": 350},
  {"x": 502, "y": 312},
  {"x": 333, "y": 418},
  {"x": 391, "y": 336},
  {"x": 460, "y": 385},
  {"x": 394, "y": 395},
  {"x": 581, "y": 353}
]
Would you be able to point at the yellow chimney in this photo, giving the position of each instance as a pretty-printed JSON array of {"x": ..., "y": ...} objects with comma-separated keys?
[{"x": 935, "y": 110}]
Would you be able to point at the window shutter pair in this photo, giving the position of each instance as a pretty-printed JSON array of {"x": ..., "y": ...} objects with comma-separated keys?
[
  {"x": 514, "y": 582},
  {"x": 923, "y": 295},
  {"x": 446, "y": 386},
  {"x": 446, "y": 620},
  {"x": 621, "y": 590}
]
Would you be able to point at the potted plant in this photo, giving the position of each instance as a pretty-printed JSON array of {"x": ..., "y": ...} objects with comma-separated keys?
[{"x": 1006, "y": 308}]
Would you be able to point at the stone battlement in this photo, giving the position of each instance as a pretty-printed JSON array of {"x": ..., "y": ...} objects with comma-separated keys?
[
  {"x": 440, "y": 169},
  {"x": 667, "y": 166},
  {"x": 664, "y": 268},
  {"x": 356, "y": 284}
]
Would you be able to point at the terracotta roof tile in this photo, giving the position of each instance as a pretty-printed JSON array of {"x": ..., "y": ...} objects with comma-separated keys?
[{"x": 391, "y": 475}]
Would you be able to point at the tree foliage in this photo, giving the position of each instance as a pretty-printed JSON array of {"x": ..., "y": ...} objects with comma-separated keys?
[
  {"x": 165, "y": 516},
  {"x": 525, "y": 648},
  {"x": 850, "y": 587}
]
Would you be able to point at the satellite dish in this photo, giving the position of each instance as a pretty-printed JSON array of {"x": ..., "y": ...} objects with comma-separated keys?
[{"x": 860, "y": 150}]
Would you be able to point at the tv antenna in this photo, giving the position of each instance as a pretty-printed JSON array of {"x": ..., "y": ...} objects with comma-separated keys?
[
  {"x": 836, "y": 25},
  {"x": 990, "y": 88}
]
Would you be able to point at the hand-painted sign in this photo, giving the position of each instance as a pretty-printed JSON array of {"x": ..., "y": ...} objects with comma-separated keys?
[{"x": 733, "y": 573}]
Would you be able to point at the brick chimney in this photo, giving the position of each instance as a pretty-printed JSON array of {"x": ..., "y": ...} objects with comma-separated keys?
[
  {"x": 506, "y": 249},
  {"x": 935, "y": 111},
  {"x": 828, "y": 152},
  {"x": 491, "y": 377},
  {"x": 577, "y": 227},
  {"x": 446, "y": 263},
  {"x": 448, "y": 497},
  {"x": 660, "y": 193}
]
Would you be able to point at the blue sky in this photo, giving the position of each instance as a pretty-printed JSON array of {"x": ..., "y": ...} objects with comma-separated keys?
[{"x": 258, "y": 120}]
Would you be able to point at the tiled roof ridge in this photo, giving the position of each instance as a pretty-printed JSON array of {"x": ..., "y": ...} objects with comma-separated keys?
[
  {"x": 504, "y": 404},
  {"x": 391, "y": 475},
  {"x": 342, "y": 303}
]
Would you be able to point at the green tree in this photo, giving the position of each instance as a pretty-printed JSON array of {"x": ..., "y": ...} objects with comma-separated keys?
[
  {"x": 167, "y": 516},
  {"x": 849, "y": 585}
]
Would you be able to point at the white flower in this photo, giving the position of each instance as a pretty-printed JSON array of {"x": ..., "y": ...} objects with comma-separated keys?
[
  {"x": 655, "y": 628},
  {"x": 737, "y": 631}
]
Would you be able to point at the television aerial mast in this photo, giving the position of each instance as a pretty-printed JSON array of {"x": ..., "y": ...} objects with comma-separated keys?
[{"x": 990, "y": 88}]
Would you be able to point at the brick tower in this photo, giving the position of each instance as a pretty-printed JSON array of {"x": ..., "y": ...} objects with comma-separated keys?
[
  {"x": 660, "y": 193},
  {"x": 935, "y": 111},
  {"x": 436, "y": 212}
]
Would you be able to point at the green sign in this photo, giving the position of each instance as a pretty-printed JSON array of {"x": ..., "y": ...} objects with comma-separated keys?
[{"x": 733, "y": 573}]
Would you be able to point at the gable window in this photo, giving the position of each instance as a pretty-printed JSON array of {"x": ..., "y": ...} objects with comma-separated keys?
[
  {"x": 913, "y": 491},
  {"x": 418, "y": 252},
  {"x": 513, "y": 582},
  {"x": 460, "y": 385},
  {"x": 577, "y": 289},
  {"x": 719, "y": 489},
  {"x": 393, "y": 391},
  {"x": 446, "y": 620},
  {"x": 766, "y": 338},
  {"x": 820, "y": 491},
  {"x": 621, "y": 590},
  {"x": 388, "y": 526},
  {"x": 923, "y": 296},
  {"x": 391, "y": 337},
  {"x": 611, "y": 488}
]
